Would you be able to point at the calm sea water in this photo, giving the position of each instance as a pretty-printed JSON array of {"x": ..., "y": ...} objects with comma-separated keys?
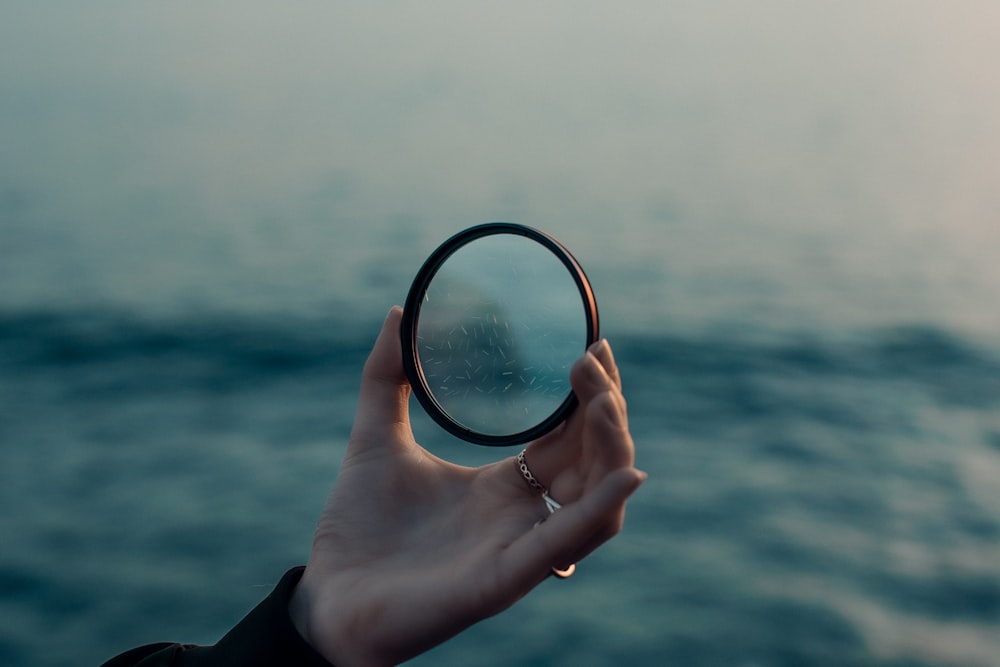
[{"x": 788, "y": 214}]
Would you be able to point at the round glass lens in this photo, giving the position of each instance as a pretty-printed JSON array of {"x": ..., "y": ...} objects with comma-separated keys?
[{"x": 497, "y": 325}]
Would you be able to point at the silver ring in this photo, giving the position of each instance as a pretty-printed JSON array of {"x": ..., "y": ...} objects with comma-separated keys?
[{"x": 551, "y": 504}]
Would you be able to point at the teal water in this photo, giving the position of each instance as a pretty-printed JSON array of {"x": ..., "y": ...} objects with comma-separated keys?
[{"x": 788, "y": 214}]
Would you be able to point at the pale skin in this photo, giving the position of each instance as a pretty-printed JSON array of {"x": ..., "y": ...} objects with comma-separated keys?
[{"x": 411, "y": 549}]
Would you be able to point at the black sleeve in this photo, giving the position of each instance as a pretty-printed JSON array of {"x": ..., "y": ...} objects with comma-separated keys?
[{"x": 265, "y": 637}]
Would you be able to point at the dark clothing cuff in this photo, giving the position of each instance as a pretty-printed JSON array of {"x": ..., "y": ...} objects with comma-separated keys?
[{"x": 265, "y": 637}]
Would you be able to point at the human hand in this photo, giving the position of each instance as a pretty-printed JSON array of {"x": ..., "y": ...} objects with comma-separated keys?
[{"x": 411, "y": 549}]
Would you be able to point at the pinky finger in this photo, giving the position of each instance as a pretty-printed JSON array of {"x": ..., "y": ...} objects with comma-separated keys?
[{"x": 569, "y": 533}]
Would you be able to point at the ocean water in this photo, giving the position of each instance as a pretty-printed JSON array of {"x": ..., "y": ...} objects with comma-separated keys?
[{"x": 789, "y": 216}]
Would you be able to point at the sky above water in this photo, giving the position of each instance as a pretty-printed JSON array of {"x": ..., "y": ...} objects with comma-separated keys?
[{"x": 818, "y": 162}]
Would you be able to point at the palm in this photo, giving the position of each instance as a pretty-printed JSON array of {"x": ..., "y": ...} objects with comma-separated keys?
[{"x": 412, "y": 549}]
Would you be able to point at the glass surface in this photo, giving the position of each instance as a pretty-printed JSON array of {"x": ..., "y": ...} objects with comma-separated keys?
[{"x": 500, "y": 325}]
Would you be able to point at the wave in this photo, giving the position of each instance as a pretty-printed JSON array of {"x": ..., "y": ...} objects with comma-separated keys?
[
  {"x": 233, "y": 350},
  {"x": 167, "y": 352}
]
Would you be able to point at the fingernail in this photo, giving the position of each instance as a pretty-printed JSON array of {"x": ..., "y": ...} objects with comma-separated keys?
[
  {"x": 599, "y": 346},
  {"x": 593, "y": 368}
]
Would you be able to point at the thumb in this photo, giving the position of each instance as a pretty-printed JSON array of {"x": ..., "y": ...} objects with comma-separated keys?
[{"x": 383, "y": 401}]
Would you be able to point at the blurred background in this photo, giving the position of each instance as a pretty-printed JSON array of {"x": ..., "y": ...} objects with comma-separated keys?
[{"x": 789, "y": 212}]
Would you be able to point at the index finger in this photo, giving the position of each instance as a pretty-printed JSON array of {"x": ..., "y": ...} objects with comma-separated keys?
[{"x": 595, "y": 380}]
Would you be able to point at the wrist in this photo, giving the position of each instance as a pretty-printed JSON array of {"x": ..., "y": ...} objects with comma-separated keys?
[
  {"x": 299, "y": 606},
  {"x": 310, "y": 614}
]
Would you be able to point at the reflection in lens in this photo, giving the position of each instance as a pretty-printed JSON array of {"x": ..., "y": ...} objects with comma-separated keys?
[{"x": 500, "y": 325}]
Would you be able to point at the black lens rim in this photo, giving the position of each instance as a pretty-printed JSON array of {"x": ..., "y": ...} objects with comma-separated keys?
[{"x": 411, "y": 316}]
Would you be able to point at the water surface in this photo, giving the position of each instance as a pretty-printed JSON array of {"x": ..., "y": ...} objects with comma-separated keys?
[{"x": 788, "y": 213}]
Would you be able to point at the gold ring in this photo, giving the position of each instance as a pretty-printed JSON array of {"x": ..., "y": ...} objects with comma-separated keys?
[{"x": 564, "y": 574}]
